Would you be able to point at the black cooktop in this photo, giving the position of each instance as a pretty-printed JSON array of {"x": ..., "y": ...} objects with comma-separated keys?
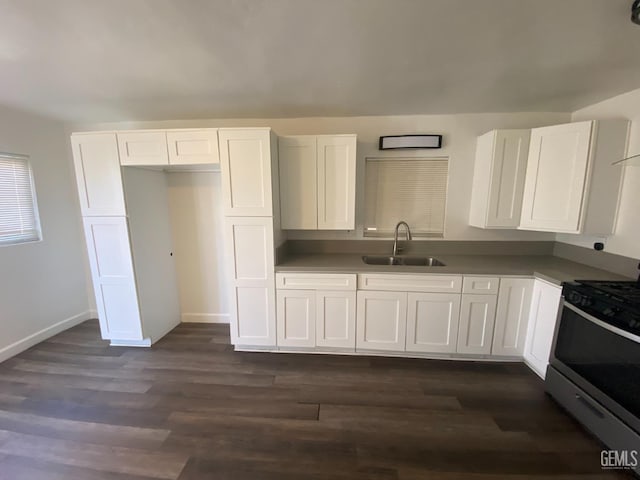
[
  {"x": 616, "y": 303},
  {"x": 626, "y": 292}
]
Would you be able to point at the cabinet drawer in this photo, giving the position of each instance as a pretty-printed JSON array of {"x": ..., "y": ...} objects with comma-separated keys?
[
  {"x": 316, "y": 281},
  {"x": 481, "y": 285},
  {"x": 411, "y": 283}
]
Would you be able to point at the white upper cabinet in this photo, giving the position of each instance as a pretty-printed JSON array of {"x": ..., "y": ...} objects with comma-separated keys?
[
  {"x": 98, "y": 174},
  {"x": 193, "y": 147},
  {"x": 545, "y": 306},
  {"x": 512, "y": 316},
  {"x": 477, "y": 318},
  {"x": 298, "y": 182},
  {"x": 498, "y": 179},
  {"x": 432, "y": 322},
  {"x": 336, "y": 182},
  {"x": 245, "y": 162},
  {"x": 570, "y": 185},
  {"x": 318, "y": 182},
  {"x": 143, "y": 148}
]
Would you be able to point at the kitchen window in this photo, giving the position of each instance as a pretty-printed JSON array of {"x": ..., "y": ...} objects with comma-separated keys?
[
  {"x": 409, "y": 189},
  {"x": 19, "y": 221}
]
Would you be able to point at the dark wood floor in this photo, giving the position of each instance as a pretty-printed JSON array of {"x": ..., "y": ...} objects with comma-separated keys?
[{"x": 192, "y": 408}]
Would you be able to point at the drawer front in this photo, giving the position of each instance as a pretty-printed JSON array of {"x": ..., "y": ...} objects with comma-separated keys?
[
  {"x": 481, "y": 285},
  {"x": 411, "y": 283},
  {"x": 316, "y": 281}
]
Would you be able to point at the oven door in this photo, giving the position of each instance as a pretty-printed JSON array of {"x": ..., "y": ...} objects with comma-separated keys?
[{"x": 601, "y": 359}]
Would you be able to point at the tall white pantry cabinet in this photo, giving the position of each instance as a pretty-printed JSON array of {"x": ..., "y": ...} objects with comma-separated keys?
[
  {"x": 249, "y": 166},
  {"x": 127, "y": 226}
]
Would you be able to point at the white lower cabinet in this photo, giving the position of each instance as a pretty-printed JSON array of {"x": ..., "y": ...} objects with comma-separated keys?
[
  {"x": 477, "y": 317},
  {"x": 336, "y": 319},
  {"x": 250, "y": 266},
  {"x": 381, "y": 320},
  {"x": 512, "y": 316},
  {"x": 113, "y": 278},
  {"x": 545, "y": 305},
  {"x": 296, "y": 318},
  {"x": 432, "y": 322},
  {"x": 316, "y": 310}
]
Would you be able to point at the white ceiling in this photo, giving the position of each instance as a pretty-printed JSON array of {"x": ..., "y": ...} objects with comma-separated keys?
[{"x": 109, "y": 60}]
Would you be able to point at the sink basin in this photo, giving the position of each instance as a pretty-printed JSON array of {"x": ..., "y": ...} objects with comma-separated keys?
[{"x": 408, "y": 261}]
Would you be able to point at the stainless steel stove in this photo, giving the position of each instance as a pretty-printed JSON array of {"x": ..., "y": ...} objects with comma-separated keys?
[{"x": 594, "y": 370}]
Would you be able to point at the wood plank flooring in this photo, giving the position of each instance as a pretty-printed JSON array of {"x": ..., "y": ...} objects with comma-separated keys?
[{"x": 191, "y": 408}]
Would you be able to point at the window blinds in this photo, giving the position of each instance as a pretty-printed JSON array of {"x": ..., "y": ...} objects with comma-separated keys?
[
  {"x": 18, "y": 212},
  {"x": 409, "y": 189}
]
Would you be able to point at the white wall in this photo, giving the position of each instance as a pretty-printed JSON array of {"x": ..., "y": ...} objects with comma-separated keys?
[
  {"x": 195, "y": 205},
  {"x": 42, "y": 284},
  {"x": 626, "y": 239},
  {"x": 460, "y": 133}
]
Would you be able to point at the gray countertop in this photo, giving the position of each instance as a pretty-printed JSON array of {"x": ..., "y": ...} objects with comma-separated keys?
[{"x": 552, "y": 269}]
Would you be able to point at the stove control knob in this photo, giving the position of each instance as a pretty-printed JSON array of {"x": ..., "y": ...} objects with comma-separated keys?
[{"x": 575, "y": 298}]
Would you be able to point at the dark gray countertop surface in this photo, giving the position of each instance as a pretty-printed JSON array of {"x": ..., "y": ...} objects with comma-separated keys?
[{"x": 552, "y": 269}]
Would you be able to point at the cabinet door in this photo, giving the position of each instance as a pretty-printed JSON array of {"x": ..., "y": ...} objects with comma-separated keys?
[
  {"x": 336, "y": 182},
  {"x": 545, "y": 304},
  {"x": 245, "y": 162},
  {"x": 511, "y": 149},
  {"x": 336, "y": 319},
  {"x": 193, "y": 147},
  {"x": 477, "y": 318},
  {"x": 251, "y": 269},
  {"x": 432, "y": 322},
  {"x": 113, "y": 279},
  {"x": 298, "y": 182},
  {"x": 296, "y": 314},
  {"x": 95, "y": 157},
  {"x": 512, "y": 316},
  {"x": 381, "y": 320},
  {"x": 556, "y": 178},
  {"x": 143, "y": 148}
]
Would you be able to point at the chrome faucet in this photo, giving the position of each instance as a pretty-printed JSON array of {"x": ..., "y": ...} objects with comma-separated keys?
[{"x": 395, "y": 236}]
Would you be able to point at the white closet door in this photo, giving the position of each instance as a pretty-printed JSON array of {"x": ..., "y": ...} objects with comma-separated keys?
[
  {"x": 381, "y": 320},
  {"x": 97, "y": 166},
  {"x": 556, "y": 178},
  {"x": 245, "y": 162},
  {"x": 298, "y": 182},
  {"x": 336, "y": 319},
  {"x": 193, "y": 147},
  {"x": 432, "y": 322},
  {"x": 336, "y": 182},
  {"x": 143, "y": 148},
  {"x": 113, "y": 278},
  {"x": 477, "y": 318},
  {"x": 251, "y": 269},
  {"x": 296, "y": 314}
]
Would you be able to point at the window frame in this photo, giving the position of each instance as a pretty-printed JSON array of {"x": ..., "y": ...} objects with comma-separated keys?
[{"x": 34, "y": 201}]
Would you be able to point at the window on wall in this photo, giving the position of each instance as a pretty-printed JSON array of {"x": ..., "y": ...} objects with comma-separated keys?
[
  {"x": 19, "y": 220},
  {"x": 409, "y": 189}
]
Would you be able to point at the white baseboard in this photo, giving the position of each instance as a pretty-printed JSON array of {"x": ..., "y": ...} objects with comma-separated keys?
[
  {"x": 205, "y": 318},
  {"x": 93, "y": 314},
  {"x": 28, "y": 342},
  {"x": 145, "y": 342}
]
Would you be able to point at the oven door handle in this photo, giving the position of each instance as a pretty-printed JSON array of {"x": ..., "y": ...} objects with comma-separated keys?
[{"x": 600, "y": 323}]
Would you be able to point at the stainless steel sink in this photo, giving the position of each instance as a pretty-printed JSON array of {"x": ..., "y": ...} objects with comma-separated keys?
[{"x": 398, "y": 260}]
